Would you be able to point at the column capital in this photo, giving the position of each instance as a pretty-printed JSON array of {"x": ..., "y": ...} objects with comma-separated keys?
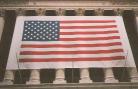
[
  {"x": 99, "y": 12},
  {"x": 20, "y": 12},
  {"x": 2, "y": 12},
  {"x": 40, "y": 12},
  {"x": 80, "y": 12},
  {"x": 60, "y": 12},
  {"x": 118, "y": 11}
]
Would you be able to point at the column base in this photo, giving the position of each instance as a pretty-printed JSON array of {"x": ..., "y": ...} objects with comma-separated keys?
[
  {"x": 33, "y": 82},
  {"x": 59, "y": 81},
  {"x": 85, "y": 80},
  {"x": 111, "y": 80},
  {"x": 7, "y": 82}
]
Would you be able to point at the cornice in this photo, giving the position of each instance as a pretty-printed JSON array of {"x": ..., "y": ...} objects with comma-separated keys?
[{"x": 32, "y": 3}]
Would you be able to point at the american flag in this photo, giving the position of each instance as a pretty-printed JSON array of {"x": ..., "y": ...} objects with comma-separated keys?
[{"x": 71, "y": 40}]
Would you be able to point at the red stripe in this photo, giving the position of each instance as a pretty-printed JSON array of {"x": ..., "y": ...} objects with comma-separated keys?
[
  {"x": 90, "y": 39},
  {"x": 69, "y": 52},
  {"x": 88, "y": 21},
  {"x": 68, "y": 45},
  {"x": 87, "y": 27},
  {"x": 83, "y": 33},
  {"x": 72, "y": 59}
]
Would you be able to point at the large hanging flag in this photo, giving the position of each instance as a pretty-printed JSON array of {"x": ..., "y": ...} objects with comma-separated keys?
[{"x": 69, "y": 42}]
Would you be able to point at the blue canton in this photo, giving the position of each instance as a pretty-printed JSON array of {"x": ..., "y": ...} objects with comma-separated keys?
[{"x": 41, "y": 31}]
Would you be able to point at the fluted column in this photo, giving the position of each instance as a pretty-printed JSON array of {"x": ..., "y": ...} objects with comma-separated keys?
[
  {"x": 84, "y": 72},
  {"x": 60, "y": 73},
  {"x": 35, "y": 73}
]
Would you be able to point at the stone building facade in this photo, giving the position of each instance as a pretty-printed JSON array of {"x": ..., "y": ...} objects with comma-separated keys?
[{"x": 97, "y": 78}]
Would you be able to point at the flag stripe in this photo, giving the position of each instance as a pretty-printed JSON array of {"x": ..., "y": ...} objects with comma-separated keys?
[
  {"x": 72, "y": 42},
  {"x": 88, "y": 21},
  {"x": 83, "y": 33},
  {"x": 72, "y": 55},
  {"x": 72, "y": 49},
  {"x": 88, "y": 35},
  {"x": 88, "y": 30},
  {"x": 72, "y": 59},
  {"x": 69, "y": 52},
  {"x": 68, "y": 45},
  {"x": 88, "y": 39},
  {"x": 86, "y": 24},
  {"x": 88, "y": 27}
]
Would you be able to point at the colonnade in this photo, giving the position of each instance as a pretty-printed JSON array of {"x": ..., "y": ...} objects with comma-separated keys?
[{"x": 60, "y": 73}]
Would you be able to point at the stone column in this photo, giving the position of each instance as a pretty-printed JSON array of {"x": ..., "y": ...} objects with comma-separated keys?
[
  {"x": 84, "y": 72},
  {"x": 8, "y": 78},
  {"x": 35, "y": 73},
  {"x": 2, "y": 12},
  {"x": 108, "y": 72},
  {"x": 60, "y": 77},
  {"x": 109, "y": 76},
  {"x": 131, "y": 70},
  {"x": 34, "y": 77},
  {"x": 133, "y": 73},
  {"x": 9, "y": 74},
  {"x": 60, "y": 73}
]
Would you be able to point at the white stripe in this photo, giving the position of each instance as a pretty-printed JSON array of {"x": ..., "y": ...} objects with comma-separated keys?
[
  {"x": 72, "y": 49},
  {"x": 85, "y": 36},
  {"x": 72, "y": 55},
  {"x": 87, "y": 30},
  {"x": 71, "y": 42},
  {"x": 86, "y": 24}
]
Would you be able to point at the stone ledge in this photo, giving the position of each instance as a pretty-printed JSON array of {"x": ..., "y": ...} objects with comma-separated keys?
[{"x": 74, "y": 86}]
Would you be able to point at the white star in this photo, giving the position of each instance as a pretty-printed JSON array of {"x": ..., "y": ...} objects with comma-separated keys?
[
  {"x": 24, "y": 38},
  {"x": 43, "y": 38},
  {"x": 50, "y": 22}
]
